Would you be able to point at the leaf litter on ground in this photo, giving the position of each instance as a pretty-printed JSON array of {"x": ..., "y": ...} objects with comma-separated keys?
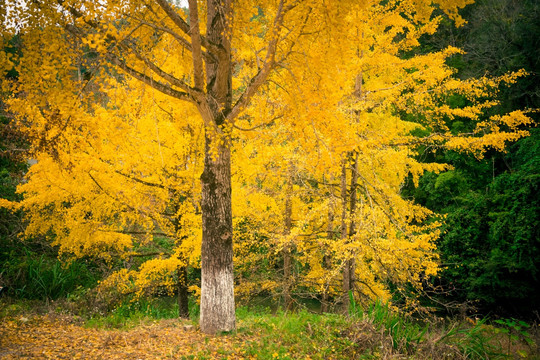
[{"x": 50, "y": 337}]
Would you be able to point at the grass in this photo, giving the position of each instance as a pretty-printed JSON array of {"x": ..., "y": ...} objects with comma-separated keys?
[
  {"x": 294, "y": 335},
  {"x": 42, "y": 277},
  {"x": 129, "y": 314},
  {"x": 375, "y": 332}
]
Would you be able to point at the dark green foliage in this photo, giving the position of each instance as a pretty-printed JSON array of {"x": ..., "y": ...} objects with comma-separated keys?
[
  {"x": 12, "y": 168},
  {"x": 491, "y": 244},
  {"x": 43, "y": 277},
  {"x": 499, "y": 36}
]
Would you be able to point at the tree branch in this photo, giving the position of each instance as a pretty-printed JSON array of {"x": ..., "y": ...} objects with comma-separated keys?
[
  {"x": 158, "y": 71},
  {"x": 260, "y": 125},
  {"x": 189, "y": 93},
  {"x": 195, "y": 33},
  {"x": 128, "y": 232},
  {"x": 149, "y": 254},
  {"x": 179, "y": 21},
  {"x": 142, "y": 181},
  {"x": 183, "y": 41},
  {"x": 130, "y": 207},
  {"x": 168, "y": 90},
  {"x": 268, "y": 65}
]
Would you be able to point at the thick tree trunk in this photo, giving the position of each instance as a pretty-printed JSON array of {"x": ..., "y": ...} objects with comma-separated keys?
[
  {"x": 217, "y": 279},
  {"x": 217, "y": 283}
]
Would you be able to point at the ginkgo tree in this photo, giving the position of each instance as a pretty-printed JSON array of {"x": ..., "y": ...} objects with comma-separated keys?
[
  {"x": 358, "y": 120},
  {"x": 333, "y": 70},
  {"x": 107, "y": 191},
  {"x": 342, "y": 226}
]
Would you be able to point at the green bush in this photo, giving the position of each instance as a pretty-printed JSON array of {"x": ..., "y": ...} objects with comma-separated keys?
[{"x": 41, "y": 277}]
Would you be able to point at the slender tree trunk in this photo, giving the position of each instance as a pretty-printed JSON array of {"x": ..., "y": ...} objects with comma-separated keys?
[
  {"x": 287, "y": 261},
  {"x": 354, "y": 182},
  {"x": 352, "y": 208},
  {"x": 327, "y": 261},
  {"x": 217, "y": 283},
  {"x": 346, "y": 275},
  {"x": 182, "y": 285},
  {"x": 183, "y": 304}
]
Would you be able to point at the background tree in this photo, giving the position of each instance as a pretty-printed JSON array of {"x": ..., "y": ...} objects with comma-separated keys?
[{"x": 490, "y": 245}]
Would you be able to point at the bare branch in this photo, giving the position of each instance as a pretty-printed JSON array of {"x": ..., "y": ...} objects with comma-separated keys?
[
  {"x": 195, "y": 33},
  {"x": 180, "y": 22},
  {"x": 168, "y": 90},
  {"x": 269, "y": 63},
  {"x": 183, "y": 41},
  {"x": 158, "y": 71},
  {"x": 260, "y": 125}
]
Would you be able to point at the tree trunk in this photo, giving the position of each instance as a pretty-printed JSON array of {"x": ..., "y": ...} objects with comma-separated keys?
[
  {"x": 346, "y": 276},
  {"x": 217, "y": 279},
  {"x": 287, "y": 261},
  {"x": 183, "y": 304},
  {"x": 287, "y": 270},
  {"x": 217, "y": 283},
  {"x": 182, "y": 285},
  {"x": 327, "y": 261},
  {"x": 350, "y": 264},
  {"x": 352, "y": 208}
]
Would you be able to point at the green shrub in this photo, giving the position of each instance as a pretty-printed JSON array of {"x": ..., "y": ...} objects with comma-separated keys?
[{"x": 41, "y": 277}]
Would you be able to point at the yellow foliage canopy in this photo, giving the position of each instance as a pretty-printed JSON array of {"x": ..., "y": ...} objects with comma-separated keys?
[{"x": 323, "y": 114}]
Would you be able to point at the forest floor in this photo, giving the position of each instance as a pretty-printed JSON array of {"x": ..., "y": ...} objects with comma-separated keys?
[
  {"x": 31, "y": 334},
  {"x": 62, "y": 337}
]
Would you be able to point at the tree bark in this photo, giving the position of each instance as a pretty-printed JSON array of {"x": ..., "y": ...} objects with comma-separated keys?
[
  {"x": 217, "y": 278},
  {"x": 287, "y": 261},
  {"x": 182, "y": 284},
  {"x": 327, "y": 261},
  {"x": 346, "y": 276},
  {"x": 183, "y": 303},
  {"x": 349, "y": 266},
  {"x": 213, "y": 96},
  {"x": 217, "y": 283},
  {"x": 352, "y": 208}
]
